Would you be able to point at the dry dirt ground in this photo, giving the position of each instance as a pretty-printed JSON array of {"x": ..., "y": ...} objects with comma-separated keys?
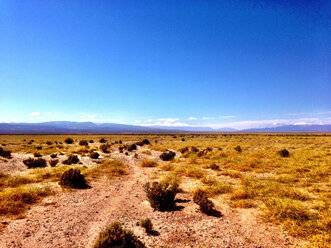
[{"x": 75, "y": 218}]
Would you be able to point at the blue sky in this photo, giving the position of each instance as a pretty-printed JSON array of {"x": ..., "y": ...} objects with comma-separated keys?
[{"x": 202, "y": 63}]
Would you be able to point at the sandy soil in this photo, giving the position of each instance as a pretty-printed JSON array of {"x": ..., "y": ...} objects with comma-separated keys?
[{"x": 75, "y": 218}]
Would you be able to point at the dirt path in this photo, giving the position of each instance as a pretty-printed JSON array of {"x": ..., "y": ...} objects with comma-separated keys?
[{"x": 75, "y": 218}]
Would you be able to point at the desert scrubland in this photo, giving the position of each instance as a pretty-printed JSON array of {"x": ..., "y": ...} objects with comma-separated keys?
[{"x": 156, "y": 190}]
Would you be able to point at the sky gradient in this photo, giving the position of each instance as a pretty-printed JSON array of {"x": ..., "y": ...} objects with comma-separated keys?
[{"x": 234, "y": 64}]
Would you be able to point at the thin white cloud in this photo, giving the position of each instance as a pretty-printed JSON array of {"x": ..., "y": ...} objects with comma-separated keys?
[
  {"x": 192, "y": 118},
  {"x": 207, "y": 118},
  {"x": 91, "y": 116},
  {"x": 227, "y": 116},
  {"x": 270, "y": 123},
  {"x": 169, "y": 122},
  {"x": 34, "y": 114}
]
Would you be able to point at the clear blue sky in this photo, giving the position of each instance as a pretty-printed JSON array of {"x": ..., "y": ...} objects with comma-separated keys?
[{"x": 216, "y": 63}]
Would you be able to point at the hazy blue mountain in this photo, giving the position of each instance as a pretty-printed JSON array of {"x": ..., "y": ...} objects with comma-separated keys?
[{"x": 67, "y": 127}]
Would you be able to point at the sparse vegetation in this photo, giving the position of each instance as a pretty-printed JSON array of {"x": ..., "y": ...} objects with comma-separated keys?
[
  {"x": 34, "y": 163},
  {"x": 53, "y": 162},
  {"x": 116, "y": 236},
  {"x": 148, "y": 163},
  {"x": 83, "y": 143},
  {"x": 147, "y": 225},
  {"x": 284, "y": 153},
  {"x": 5, "y": 153},
  {"x": 291, "y": 191},
  {"x": 73, "y": 178},
  {"x": 94, "y": 155},
  {"x": 69, "y": 141},
  {"x": 167, "y": 156},
  {"x": 104, "y": 148},
  {"x": 72, "y": 159},
  {"x": 200, "y": 198},
  {"x": 132, "y": 147},
  {"x": 161, "y": 195}
]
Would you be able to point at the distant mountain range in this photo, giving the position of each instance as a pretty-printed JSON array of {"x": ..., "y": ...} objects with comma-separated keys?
[{"x": 66, "y": 127}]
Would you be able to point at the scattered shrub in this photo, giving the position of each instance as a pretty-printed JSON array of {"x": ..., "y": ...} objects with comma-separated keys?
[
  {"x": 5, "y": 153},
  {"x": 132, "y": 147},
  {"x": 91, "y": 141},
  {"x": 35, "y": 163},
  {"x": 184, "y": 150},
  {"x": 161, "y": 195},
  {"x": 183, "y": 139},
  {"x": 39, "y": 147},
  {"x": 147, "y": 225},
  {"x": 167, "y": 156},
  {"x": 194, "y": 149},
  {"x": 49, "y": 143},
  {"x": 37, "y": 155},
  {"x": 53, "y": 162},
  {"x": 72, "y": 159},
  {"x": 69, "y": 141},
  {"x": 214, "y": 167},
  {"x": 238, "y": 149},
  {"x": 94, "y": 155},
  {"x": 83, "y": 143},
  {"x": 200, "y": 198},
  {"x": 54, "y": 155},
  {"x": 102, "y": 140},
  {"x": 284, "y": 153},
  {"x": 116, "y": 236},
  {"x": 126, "y": 153},
  {"x": 143, "y": 142},
  {"x": 148, "y": 163},
  {"x": 206, "y": 206},
  {"x": 104, "y": 148},
  {"x": 146, "y": 142},
  {"x": 72, "y": 178}
]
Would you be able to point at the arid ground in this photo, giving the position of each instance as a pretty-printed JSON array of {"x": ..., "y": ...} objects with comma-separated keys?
[{"x": 267, "y": 190}]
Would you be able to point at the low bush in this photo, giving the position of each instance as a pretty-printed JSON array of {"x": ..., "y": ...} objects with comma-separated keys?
[
  {"x": 69, "y": 141},
  {"x": 200, "y": 198},
  {"x": 54, "y": 155},
  {"x": 194, "y": 149},
  {"x": 148, "y": 163},
  {"x": 37, "y": 155},
  {"x": 49, "y": 143},
  {"x": 91, "y": 141},
  {"x": 167, "y": 156},
  {"x": 53, "y": 162},
  {"x": 5, "y": 153},
  {"x": 132, "y": 147},
  {"x": 94, "y": 155},
  {"x": 73, "y": 178},
  {"x": 102, "y": 140},
  {"x": 72, "y": 159},
  {"x": 83, "y": 143},
  {"x": 214, "y": 167},
  {"x": 147, "y": 225},
  {"x": 104, "y": 148},
  {"x": 161, "y": 195},
  {"x": 238, "y": 149},
  {"x": 184, "y": 150},
  {"x": 116, "y": 236},
  {"x": 39, "y": 147},
  {"x": 35, "y": 163},
  {"x": 284, "y": 153}
]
